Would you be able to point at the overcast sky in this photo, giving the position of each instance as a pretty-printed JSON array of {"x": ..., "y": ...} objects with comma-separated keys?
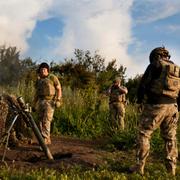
[{"x": 127, "y": 30}]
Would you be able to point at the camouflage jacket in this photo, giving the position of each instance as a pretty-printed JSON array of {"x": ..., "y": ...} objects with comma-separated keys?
[{"x": 116, "y": 94}]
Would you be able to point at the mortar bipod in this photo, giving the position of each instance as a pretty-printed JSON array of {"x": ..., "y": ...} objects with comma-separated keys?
[
  {"x": 5, "y": 137},
  {"x": 24, "y": 111}
]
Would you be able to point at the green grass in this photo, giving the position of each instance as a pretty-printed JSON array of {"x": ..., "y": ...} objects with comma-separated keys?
[
  {"x": 84, "y": 114},
  {"x": 114, "y": 168}
]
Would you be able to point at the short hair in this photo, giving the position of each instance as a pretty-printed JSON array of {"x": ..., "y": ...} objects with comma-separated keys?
[{"x": 43, "y": 65}]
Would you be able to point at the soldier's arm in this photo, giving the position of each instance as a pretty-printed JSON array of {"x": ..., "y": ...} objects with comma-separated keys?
[
  {"x": 58, "y": 88},
  {"x": 123, "y": 89},
  {"x": 59, "y": 92},
  {"x": 142, "y": 85},
  {"x": 152, "y": 72}
]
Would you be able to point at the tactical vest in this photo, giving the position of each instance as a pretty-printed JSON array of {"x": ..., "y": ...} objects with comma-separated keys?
[
  {"x": 46, "y": 88},
  {"x": 116, "y": 96},
  {"x": 168, "y": 84}
]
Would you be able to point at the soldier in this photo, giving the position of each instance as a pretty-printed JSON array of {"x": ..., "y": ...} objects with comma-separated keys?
[
  {"x": 8, "y": 110},
  {"x": 117, "y": 99},
  {"x": 48, "y": 96},
  {"x": 160, "y": 86}
]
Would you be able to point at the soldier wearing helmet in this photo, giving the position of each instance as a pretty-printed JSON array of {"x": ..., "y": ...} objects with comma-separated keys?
[
  {"x": 159, "y": 53},
  {"x": 117, "y": 98},
  {"x": 48, "y": 96},
  {"x": 159, "y": 91}
]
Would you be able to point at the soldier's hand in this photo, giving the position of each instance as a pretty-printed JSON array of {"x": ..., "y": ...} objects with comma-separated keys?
[{"x": 58, "y": 103}]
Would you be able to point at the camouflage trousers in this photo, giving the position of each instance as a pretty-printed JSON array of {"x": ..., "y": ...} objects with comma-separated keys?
[
  {"x": 45, "y": 116},
  {"x": 166, "y": 117},
  {"x": 117, "y": 114}
]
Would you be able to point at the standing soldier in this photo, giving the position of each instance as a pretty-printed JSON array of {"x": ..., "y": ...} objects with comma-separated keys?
[
  {"x": 48, "y": 96},
  {"x": 160, "y": 85},
  {"x": 117, "y": 100}
]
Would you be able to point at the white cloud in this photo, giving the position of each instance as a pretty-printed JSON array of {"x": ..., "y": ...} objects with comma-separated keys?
[
  {"x": 153, "y": 10},
  {"x": 18, "y": 19},
  {"x": 96, "y": 25},
  {"x": 173, "y": 28},
  {"x": 103, "y": 25}
]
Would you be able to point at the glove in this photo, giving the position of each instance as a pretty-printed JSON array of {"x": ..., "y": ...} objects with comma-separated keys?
[{"x": 58, "y": 103}]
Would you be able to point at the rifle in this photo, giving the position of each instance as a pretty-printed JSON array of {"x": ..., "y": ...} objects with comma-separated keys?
[{"x": 24, "y": 110}]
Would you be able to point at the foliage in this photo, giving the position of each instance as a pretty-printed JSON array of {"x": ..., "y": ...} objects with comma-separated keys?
[
  {"x": 114, "y": 169},
  {"x": 132, "y": 86},
  {"x": 80, "y": 71},
  {"x": 10, "y": 67},
  {"x": 106, "y": 77},
  {"x": 84, "y": 112},
  {"x": 88, "y": 70}
]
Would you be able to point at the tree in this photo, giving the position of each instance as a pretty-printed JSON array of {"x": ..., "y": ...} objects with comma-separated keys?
[
  {"x": 10, "y": 66},
  {"x": 132, "y": 85},
  {"x": 80, "y": 71},
  {"x": 86, "y": 70},
  {"x": 107, "y": 76}
]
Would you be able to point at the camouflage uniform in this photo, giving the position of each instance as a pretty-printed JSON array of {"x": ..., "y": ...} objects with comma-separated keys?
[
  {"x": 117, "y": 99},
  {"x": 45, "y": 98},
  {"x": 19, "y": 131},
  {"x": 164, "y": 116},
  {"x": 160, "y": 110}
]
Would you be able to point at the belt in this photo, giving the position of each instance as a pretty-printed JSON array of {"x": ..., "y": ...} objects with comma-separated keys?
[{"x": 46, "y": 97}]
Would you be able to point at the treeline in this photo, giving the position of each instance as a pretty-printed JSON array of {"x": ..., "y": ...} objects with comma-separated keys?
[{"x": 83, "y": 71}]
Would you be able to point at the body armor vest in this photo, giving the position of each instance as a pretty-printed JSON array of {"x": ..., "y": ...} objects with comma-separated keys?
[
  {"x": 45, "y": 87},
  {"x": 116, "y": 95},
  {"x": 168, "y": 83}
]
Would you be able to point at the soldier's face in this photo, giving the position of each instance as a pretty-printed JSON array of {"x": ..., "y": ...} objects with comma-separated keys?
[
  {"x": 118, "y": 83},
  {"x": 44, "y": 72}
]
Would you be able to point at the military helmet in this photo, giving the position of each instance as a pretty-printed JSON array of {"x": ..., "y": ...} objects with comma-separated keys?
[
  {"x": 117, "y": 79},
  {"x": 158, "y": 53},
  {"x": 43, "y": 65}
]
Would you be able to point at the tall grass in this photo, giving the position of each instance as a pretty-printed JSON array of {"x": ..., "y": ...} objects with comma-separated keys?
[{"x": 83, "y": 113}]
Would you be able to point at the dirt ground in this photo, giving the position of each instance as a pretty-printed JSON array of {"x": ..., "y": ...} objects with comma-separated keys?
[
  {"x": 70, "y": 152},
  {"x": 67, "y": 152}
]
